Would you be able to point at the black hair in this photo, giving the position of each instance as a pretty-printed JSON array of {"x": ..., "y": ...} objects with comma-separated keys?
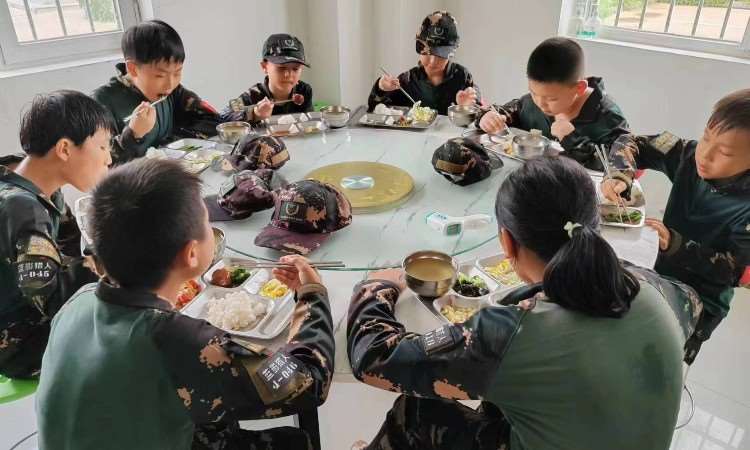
[
  {"x": 556, "y": 60},
  {"x": 583, "y": 273},
  {"x": 151, "y": 42},
  {"x": 731, "y": 112},
  {"x": 145, "y": 212},
  {"x": 61, "y": 114}
]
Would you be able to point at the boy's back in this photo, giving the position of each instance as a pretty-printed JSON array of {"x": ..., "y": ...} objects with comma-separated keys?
[{"x": 115, "y": 379}]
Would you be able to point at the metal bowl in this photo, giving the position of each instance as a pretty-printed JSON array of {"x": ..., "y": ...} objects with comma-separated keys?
[
  {"x": 527, "y": 146},
  {"x": 425, "y": 288},
  {"x": 336, "y": 116},
  {"x": 220, "y": 244},
  {"x": 462, "y": 115},
  {"x": 232, "y": 132}
]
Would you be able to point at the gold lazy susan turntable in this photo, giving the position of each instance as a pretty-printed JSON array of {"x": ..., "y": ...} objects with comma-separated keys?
[{"x": 369, "y": 186}]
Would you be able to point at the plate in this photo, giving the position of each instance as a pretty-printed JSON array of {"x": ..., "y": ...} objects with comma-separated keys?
[
  {"x": 199, "y": 160},
  {"x": 503, "y": 285},
  {"x": 612, "y": 209},
  {"x": 277, "y": 318},
  {"x": 390, "y": 121},
  {"x": 226, "y": 262}
]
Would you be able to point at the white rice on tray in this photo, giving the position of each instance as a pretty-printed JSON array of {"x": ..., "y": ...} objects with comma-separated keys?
[{"x": 236, "y": 311}]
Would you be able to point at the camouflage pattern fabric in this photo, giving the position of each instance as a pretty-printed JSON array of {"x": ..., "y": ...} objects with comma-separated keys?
[
  {"x": 438, "y": 35},
  {"x": 36, "y": 276},
  {"x": 259, "y": 152},
  {"x": 242, "y": 195},
  {"x": 241, "y": 108},
  {"x": 462, "y": 161}
]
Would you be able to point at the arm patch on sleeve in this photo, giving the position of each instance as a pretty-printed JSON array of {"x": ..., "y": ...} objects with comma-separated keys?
[
  {"x": 280, "y": 378},
  {"x": 37, "y": 267},
  {"x": 437, "y": 340},
  {"x": 664, "y": 142}
]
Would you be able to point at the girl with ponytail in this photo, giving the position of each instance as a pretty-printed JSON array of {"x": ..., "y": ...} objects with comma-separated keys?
[{"x": 586, "y": 356}]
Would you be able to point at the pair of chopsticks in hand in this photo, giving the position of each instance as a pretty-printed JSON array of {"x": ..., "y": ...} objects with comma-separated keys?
[
  {"x": 619, "y": 203},
  {"x": 138, "y": 109}
]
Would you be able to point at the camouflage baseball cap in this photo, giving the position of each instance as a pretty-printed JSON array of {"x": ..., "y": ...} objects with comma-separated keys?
[
  {"x": 284, "y": 49},
  {"x": 438, "y": 35},
  {"x": 306, "y": 213},
  {"x": 258, "y": 152},
  {"x": 242, "y": 195},
  {"x": 463, "y": 161}
]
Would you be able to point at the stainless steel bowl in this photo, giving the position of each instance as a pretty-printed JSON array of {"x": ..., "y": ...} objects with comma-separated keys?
[
  {"x": 232, "y": 132},
  {"x": 462, "y": 115},
  {"x": 220, "y": 244},
  {"x": 530, "y": 145},
  {"x": 429, "y": 289},
  {"x": 336, "y": 116}
]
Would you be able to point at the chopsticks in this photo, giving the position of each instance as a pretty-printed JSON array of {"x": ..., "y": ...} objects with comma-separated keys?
[
  {"x": 154, "y": 103},
  {"x": 276, "y": 265},
  {"x": 385, "y": 72},
  {"x": 620, "y": 205}
]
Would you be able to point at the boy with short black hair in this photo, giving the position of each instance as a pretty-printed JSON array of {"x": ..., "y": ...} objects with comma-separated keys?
[
  {"x": 565, "y": 106},
  {"x": 65, "y": 136},
  {"x": 152, "y": 71},
  {"x": 436, "y": 80},
  {"x": 282, "y": 91},
  {"x": 187, "y": 382},
  {"x": 705, "y": 234}
]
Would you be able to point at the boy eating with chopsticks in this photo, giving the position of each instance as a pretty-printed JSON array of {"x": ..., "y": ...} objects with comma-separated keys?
[
  {"x": 436, "y": 81},
  {"x": 282, "y": 91},
  {"x": 146, "y": 99},
  {"x": 705, "y": 235},
  {"x": 120, "y": 353},
  {"x": 565, "y": 106}
]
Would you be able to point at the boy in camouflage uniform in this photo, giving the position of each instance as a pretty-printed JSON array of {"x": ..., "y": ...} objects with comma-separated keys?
[
  {"x": 154, "y": 56},
  {"x": 66, "y": 138},
  {"x": 119, "y": 349},
  {"x": 436, "y": 81},
  {"x": 705, "y": 234},
  {"x": 282, "y": 91},
  {"x": 565, "y": 106}
]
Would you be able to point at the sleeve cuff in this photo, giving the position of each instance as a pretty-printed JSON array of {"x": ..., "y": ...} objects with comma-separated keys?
[
  {"x": 675, "y": 242},
  {"x": 312, "y": 288}
]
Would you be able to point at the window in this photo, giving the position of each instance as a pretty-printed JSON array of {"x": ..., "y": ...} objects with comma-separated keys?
[
  {"x": 713, "y": 26},
  {"x": 37, "y": 31}
]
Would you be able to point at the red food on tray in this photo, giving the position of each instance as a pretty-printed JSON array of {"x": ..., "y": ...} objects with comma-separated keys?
[{"x": 188, "y": 291}]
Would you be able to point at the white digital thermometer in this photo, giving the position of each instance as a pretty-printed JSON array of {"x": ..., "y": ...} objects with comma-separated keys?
[{"x": 451, "y": 226}]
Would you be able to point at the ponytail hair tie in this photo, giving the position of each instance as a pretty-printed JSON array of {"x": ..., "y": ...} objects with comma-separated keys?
[{"x": 570, "y": 226}]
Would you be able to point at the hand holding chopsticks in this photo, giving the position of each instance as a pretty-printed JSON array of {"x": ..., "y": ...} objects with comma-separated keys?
[
  {"x": 140, "y": 107},
  {"x": 619, "y": 202},
  {"x": 296, "y": 271},
  {"x": 385, "y": 72}
]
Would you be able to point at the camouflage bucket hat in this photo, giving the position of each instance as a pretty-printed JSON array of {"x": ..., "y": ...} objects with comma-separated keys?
[
  {"x": 438, "y": 35},
  {"x": 305, "y": 215},
  {"x": 463, "y": 161},
  {"x": 284, "y": 49},
  {"x": 242, "y": 195},
  {"x": 258, "y": 152}
]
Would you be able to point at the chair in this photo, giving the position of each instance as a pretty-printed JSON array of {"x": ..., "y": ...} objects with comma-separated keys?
[{"x": 12, "y": 389}]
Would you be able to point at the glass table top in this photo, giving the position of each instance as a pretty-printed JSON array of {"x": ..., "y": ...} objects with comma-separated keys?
[{"x": 381, "y": 239}]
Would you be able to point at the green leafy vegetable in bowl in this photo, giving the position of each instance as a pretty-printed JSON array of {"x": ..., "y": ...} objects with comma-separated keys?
[{"x": 470, "y": 286}]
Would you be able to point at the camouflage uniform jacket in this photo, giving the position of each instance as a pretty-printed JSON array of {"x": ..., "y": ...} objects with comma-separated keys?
[
  {"x": 183, "y": 114},
  {"x": 562, "y": 379},
  {"x": 417, "y": 84},
  {"x": 258, "y": 92},
  {"x": 115, "y": 354},
  {"x": 36, "y": 276},
  {"x": 599, "y": 122},
  {"x": 709, "y": 220}
]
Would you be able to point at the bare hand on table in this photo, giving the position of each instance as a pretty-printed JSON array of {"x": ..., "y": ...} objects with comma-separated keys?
[
  {"x": 143, "y": 120},
  {"x": 388, "y": 83},
  {"x": 466, "y": 97},
  {"x": 297, "y": 276},
  {"x": 492, "y": 122},
  {"x": 664, "y": 234},
  {"x": 395, "y": 276}
]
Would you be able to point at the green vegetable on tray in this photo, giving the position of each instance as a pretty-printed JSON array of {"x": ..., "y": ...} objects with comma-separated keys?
[
  {"x": 629, "y": 216},
  {"x": 239, "y": 275},
  {"x": 470, "y": 286}
]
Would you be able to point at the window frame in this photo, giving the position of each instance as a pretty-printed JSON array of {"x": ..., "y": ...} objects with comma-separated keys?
[
  {"x": 678, "y": 42},
  {"x": 14, "y": 54}
]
